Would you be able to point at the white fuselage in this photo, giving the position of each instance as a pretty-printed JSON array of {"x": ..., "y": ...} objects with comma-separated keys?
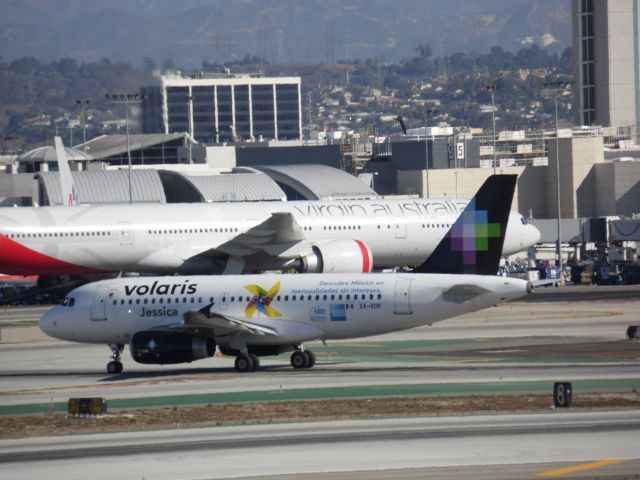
[
  {"x": 196, "y": 238},
  {"x": 304, "y": 308}
]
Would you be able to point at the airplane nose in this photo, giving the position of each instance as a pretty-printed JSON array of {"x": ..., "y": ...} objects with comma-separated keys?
[
  {"x": 534, "y": 235},
  {"x": 48, "y": 322}
]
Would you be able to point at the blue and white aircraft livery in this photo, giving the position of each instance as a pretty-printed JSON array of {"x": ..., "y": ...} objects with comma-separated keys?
[
  {"x": 311, "y": 236},
  {"x": 168, "y": 320}
]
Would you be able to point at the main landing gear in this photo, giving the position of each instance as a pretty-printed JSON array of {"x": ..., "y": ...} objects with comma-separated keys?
[
  {"x": 115, "y": 366},
  {"x": 247, "y": 362},
  {"x": 303, "y": 359},
  {"x": 250, "y": 362}
]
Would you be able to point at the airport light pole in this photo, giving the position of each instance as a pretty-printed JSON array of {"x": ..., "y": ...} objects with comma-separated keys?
[
  {"x": 83, "y": 103},
  {"x": 491, "y": 88},
  {"x": 190, "y": 116},
  {"x": 428, "y": 113},
  {"x": 556, "y": 87},
  {"x": 126, "y": 99}
]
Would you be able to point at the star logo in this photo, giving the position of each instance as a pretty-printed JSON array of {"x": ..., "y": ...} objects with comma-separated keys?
[{"x": 261, "y": 301}]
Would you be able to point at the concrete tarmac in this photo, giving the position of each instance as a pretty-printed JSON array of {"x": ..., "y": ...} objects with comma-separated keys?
[{"x": 601, "y": 444}]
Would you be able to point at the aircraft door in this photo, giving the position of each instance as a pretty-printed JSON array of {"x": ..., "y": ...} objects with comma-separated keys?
[
  {"x": 125, "y": 233},
  {"x": 224, "y": 301},
  {"x": 99, "y": 305},
  {"x": 402, "y": 297},
  {"x": 400, "y": 227}
]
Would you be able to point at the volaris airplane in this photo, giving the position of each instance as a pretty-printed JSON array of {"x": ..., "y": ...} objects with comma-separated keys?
[{"x": 176, "y": 319}]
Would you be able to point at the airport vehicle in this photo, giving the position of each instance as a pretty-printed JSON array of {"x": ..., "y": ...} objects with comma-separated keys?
[
  {"x": 177, "y": 319},
  {"x": 195, "y": 238}
]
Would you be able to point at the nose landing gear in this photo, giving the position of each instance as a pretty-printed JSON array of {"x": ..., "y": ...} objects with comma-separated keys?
[{"x": 115, "y": 366}]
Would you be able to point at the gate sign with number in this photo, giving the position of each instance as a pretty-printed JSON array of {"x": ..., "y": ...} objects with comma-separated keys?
[{"x": 460, "y": 151}]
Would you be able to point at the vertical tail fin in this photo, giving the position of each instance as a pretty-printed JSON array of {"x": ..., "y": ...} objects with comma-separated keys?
[
  {"x": 474, "y": 242},
  {"x": 69, "y": 195}
]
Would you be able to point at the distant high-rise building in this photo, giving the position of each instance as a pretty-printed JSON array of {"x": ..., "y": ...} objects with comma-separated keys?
[
  {"x": 606, "y": 49},
  {"x": 216, "y": 108}
]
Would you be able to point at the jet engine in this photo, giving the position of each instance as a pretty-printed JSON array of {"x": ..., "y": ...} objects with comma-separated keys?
[
  {"x": 170, "y": 347},
  {"x": 338, "y": 256}
]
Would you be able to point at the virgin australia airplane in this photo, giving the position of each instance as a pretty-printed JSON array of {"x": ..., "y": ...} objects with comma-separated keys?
[
  {"x": 310, "y": 236},
  {"x": 167, "y": 320}
]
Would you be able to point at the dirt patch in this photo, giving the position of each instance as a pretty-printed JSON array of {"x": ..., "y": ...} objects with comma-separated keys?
[{"x": 296, "y": 411}]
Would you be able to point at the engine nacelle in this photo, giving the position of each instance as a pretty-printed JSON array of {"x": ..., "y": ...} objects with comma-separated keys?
[
  {"x": 338, "y": 256},
  {"x": 170, "y": 347}
]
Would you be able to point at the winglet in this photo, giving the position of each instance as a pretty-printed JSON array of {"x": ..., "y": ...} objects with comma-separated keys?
[
  {"x": 474, "y": 242},
  {"x": 69, "y": 195}
]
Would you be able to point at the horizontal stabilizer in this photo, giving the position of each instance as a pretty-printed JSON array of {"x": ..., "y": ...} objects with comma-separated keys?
[{"x": 463, "y": 293}]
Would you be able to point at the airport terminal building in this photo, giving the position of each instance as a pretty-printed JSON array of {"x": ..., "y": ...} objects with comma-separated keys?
[{"x": 218, "y": 108}]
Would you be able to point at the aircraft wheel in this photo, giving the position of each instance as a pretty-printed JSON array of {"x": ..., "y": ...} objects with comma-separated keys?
[
  {"x": 256, "y": 362},
  {"x": 114, "y": 367},
  {"x": 244, "y": 364},
  {"x": 300, "y": 359},
  {"x": 312, "y": 358}
]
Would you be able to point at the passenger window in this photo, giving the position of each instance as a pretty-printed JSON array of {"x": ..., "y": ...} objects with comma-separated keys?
[
  {"x": 130, "y": 302},
  {"x": 72, "y": 301},
  {"x": 160, "y": 300}
]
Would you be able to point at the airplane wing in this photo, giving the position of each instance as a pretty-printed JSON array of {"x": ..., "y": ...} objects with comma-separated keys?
[
  {"x": 463, "y": 293},
  {"x": 278, "y": 234},
  {"x": 275, "y": 235},
  {"x": 221, "y": 325}
]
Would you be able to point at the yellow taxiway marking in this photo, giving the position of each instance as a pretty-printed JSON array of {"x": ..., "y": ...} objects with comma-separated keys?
[{"x": 580, "y": 468}]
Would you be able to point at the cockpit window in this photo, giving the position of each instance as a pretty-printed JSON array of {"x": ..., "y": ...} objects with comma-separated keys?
[
  {"x": 68, "y": 302},
  {"x": 524, "y": 221}
]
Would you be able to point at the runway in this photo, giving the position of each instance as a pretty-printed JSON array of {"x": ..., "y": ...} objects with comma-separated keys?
[{"x": 520, "y": 446}]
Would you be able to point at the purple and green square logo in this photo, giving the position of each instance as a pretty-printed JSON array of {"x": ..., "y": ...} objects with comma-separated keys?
[{"x": 471, "y": 232}]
